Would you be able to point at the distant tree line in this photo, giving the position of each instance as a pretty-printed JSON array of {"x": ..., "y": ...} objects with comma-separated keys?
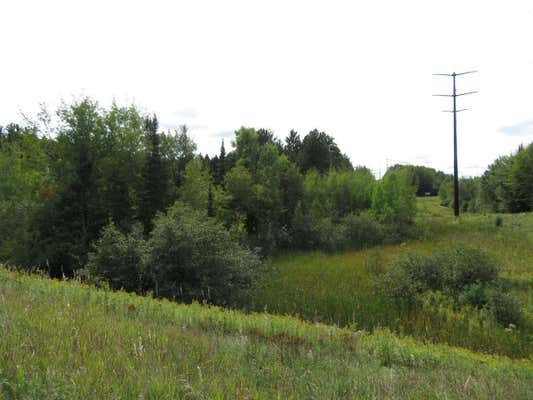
[
  {"x": 505, "y": 187},
  {"x": 106, "y": 192}
]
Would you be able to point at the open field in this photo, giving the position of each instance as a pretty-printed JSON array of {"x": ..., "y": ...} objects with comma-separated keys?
[
  {"x": 63, "y": 340},
  {"x": 340, "y": 288}
]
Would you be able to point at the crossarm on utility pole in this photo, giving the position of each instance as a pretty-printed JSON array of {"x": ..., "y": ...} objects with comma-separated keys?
[{"x": 454, "y": 95}]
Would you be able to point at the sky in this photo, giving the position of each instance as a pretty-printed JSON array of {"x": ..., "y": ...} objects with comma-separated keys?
[{"x": 359, "y": 70}]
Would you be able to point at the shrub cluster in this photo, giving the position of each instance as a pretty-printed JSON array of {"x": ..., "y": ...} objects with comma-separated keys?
[
  {"x": 350, "y": 232},
  {"x": 466, "y": 274},
  {"x": 186, "y": 257}
]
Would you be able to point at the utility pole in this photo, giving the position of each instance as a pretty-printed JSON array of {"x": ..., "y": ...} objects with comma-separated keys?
[{"x": 455, "y": 111}]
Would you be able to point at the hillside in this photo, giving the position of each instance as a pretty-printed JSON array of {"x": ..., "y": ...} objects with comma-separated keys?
[{"x": 67, "y": 340}]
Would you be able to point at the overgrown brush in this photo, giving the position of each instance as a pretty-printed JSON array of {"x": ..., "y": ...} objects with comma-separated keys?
[
  {"x": 466, "y": 274},
  {"x": 65, "y": 340}
]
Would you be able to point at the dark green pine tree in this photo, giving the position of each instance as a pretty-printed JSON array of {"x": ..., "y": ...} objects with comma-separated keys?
[
  {"x": 221, "y": 167},
  {"x": 293, "y": 146},
  {"x": 153, "y": 196}
]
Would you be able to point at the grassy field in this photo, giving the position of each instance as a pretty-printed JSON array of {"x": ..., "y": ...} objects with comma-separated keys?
[
  {"x": 340, "y": 288},
  {"x": 64, "y": 340}
]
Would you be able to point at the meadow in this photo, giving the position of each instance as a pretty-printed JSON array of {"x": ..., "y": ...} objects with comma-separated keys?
[
  {"x": 341, "y": 288},
  {"x": 317, "y": 326},
  {"x": 65, "y": 340}
]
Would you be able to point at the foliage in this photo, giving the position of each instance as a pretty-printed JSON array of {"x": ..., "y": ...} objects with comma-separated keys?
[
  {"x": 426, "y": 181},
  {"x": 66, "y": 340},
  {"x": 466, "y": 273},
  {"x": 192, "y": 257},
  {"x": 393, "y": 200},
  {"x": 496, "y": 186},
  {"x": 120, "y": 259},
  {"x": 452, "y": 269},
  {"x": 337, "y": 193},
  {"x": 341, "y": 288},
  {"x": 506, "y": 186},
  {"x": 521, "y": 180},
  {"x": 320, "y": 152},
  {"x": 194, "y": 190},
  {"x": 470, "y": 198}
]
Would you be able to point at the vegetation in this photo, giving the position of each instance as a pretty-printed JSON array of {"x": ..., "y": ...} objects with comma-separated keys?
[
  {"x": 66, "y": 340},
  {"x": 448, "y": 303},
  {"x": 506, "y": 186},
  {"x": 102, "y": 196},
  {"x": 64, "y": 181}
]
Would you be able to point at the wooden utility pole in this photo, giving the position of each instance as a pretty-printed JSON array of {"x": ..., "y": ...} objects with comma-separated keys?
[{"x": 455, "y": 111}]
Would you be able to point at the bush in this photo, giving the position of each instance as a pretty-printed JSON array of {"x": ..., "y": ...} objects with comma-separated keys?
[
  {"x": 187, "y": 257},
  {"x": 351, "y": 232},
  {"x": 193, "y": 257},
  {"x": 464, "y": 265},
  {"x": 119, "y": 258},
  {"x": 504, "y": 306},
  {"x": 409, "y": 275},
  {"x": 465, "y": 274},
  {"x": 452, "y": 269},
  {"x": 362, "y": 231}
]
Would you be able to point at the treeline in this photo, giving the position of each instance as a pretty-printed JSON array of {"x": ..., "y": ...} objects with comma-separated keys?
[
  {"x": 506, "y": 186},
  {"x": 106, "y": 190}
]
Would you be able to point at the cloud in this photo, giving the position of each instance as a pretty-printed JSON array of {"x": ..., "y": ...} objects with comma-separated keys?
[
  {"x": 187, "y": 112},
  {"x": 222, "y": 134},
  {"x": 524, "y": 128}
]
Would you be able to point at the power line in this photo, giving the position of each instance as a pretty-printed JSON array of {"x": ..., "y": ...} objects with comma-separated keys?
[{"x": 455, "y": 111}]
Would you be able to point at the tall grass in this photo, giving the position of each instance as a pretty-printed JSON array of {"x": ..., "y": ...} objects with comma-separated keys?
[
  {"x": 341, "y": 288},
  {"x": 63, "y": 340}
]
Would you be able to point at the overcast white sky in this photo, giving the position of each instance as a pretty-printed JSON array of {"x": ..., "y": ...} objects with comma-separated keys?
[{"x": 359, "y": 70}]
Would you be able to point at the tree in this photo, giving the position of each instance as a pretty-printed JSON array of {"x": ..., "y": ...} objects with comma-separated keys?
[
  {"x": 153, "y": 196},
  {"x": 177, "y": 150},
  {"x": 496, "y": 191},
  {"x": 320, "y": 152},
  {"x": 72, "y": 219},
  {"x": 220, "y": 166},
  {"x": 194, "y": 190},
  {"x": 394, "y": 200},
  {"x": 293, "y": 146},
  {"x": 24, "y": 185},
  {"x": 121, "y": 164},
  {"x": 521, "y": 180}
]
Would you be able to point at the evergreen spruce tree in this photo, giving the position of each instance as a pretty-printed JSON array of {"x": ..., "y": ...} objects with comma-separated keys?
[
  {"x": 221, "y": 167},
  {"x": 154, "y": 193}
]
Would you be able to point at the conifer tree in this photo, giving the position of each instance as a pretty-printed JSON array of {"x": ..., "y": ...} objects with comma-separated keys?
[{"x": 154, "y": 193}]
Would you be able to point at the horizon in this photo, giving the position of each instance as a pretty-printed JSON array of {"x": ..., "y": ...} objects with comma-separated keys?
[{"x": 360, "y": 73}]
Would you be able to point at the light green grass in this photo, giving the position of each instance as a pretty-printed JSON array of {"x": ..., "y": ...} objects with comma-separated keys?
[
  {"x": 340, "y": 288},
  {"x": 62, "y": 340}
]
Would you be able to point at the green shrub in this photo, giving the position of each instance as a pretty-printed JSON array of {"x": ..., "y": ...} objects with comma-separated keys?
[
  {"x": 452, "y": 270},
  {"x": 193, "y": 257},
  {"x": 119, "y": 258},
  {"x": 362, "y": 231},
  {"x": 465, "y": 274},
  {"x": 188, "y": 256},
  {"x": 351, "y": 232},
  {"x": 504, "y": 306},
  {"x": 409, "y": 275},
  {"x": 464, "y": 265}
]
